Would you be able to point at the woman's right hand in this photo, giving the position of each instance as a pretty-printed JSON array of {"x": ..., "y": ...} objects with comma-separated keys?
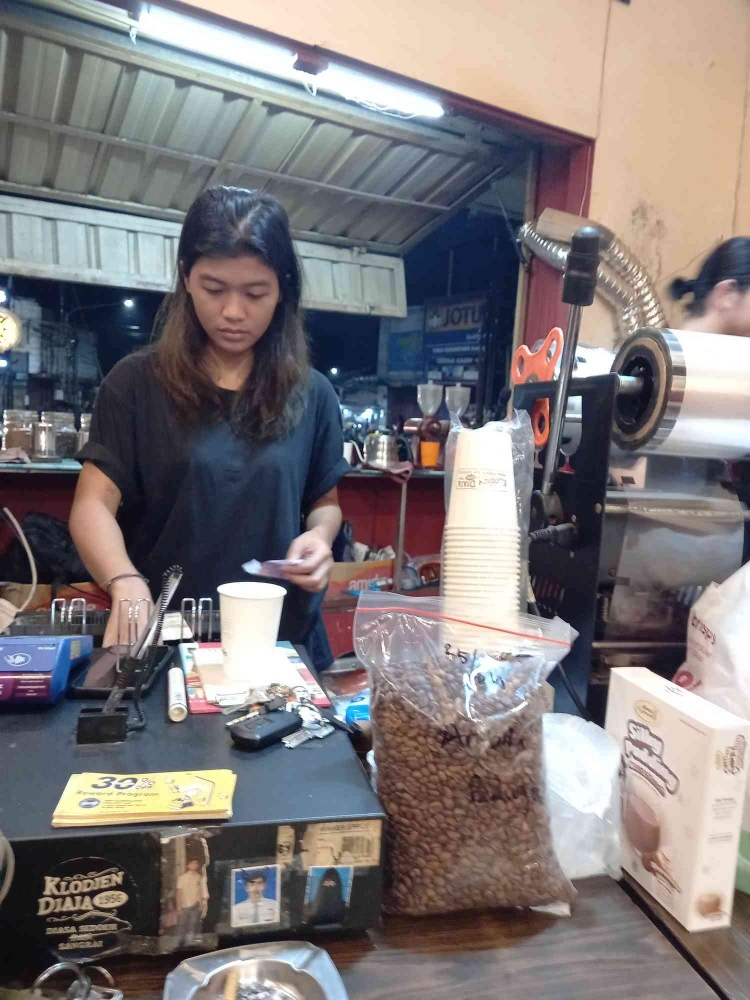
[{"x": 131, "y": 589}]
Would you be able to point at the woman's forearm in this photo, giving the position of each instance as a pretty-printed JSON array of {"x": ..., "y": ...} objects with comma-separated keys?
[
  {"x": 325, "y": 521},
  {"x": 99, "y": 541},
  {"x": 94, "y": 528}
]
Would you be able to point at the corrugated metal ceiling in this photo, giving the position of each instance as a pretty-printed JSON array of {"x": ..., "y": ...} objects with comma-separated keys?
[{"x": 90, "y": 118}]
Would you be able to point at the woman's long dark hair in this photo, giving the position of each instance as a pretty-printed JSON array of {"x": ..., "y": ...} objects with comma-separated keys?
[
  {"x": 234, "y": 222},
  {"x": 730, "y": 261}
]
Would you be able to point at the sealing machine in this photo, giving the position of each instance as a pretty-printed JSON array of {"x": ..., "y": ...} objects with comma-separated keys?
[{"x": 639, "y": 494}]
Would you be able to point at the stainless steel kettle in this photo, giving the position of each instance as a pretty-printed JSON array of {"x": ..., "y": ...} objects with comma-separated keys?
[{"x": 381, "y": 450}]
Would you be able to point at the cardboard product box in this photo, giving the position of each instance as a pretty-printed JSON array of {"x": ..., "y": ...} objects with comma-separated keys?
[
  {"x": 684, "y": 771},
  {"x": 351, "y": 577}
]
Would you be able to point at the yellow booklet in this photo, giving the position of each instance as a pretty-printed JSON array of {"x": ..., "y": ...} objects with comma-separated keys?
[{"x": 99, "y": 799}]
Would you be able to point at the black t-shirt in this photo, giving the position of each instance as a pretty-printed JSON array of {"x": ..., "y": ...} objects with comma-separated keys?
[{"x": 201, "y": 497}]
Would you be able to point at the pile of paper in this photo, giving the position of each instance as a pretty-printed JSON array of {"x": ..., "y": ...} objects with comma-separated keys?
[
  {"x": 209, "y": 689},
  {"x": 94, "y": 799}
]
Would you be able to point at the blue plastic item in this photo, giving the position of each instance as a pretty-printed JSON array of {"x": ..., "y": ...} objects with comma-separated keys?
[
  {"x": 358, "y": 711},
  {"x": 34, "y": 669}
]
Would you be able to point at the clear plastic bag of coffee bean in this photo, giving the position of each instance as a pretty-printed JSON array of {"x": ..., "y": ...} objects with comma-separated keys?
[{"x": 459, "y": 752}]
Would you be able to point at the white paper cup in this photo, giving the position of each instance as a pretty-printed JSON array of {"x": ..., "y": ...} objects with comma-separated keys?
[
  {"x": 494, "y": 538},
  {"x": 483, "y": 563},
  {"x": 509, "y": 546},
  {"x": 480, "y": 565},
  {"x": 250, "y": 617},
  {"x": 490, "y": 552},
  {"x": 474, "y": 534},
  {"x": 471, "y": 628},
  {"x": 483, "y": 492},
  {"x": 490, "y": 584},
  {"x": 482, "y": 571},
  {"x": 483, "y": 594},
  {"x": 482, "y": 557}
]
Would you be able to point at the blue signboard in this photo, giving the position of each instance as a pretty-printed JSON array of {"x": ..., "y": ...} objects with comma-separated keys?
[
  {"x": 453, "y": 339},
  {"x": 405, "y": 356}
]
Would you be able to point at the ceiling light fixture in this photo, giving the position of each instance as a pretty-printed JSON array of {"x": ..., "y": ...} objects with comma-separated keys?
[
  {"x": 228, "y": 46},
  {"x": 379, "y": 95},
  {"x": 305, "y": 67}
]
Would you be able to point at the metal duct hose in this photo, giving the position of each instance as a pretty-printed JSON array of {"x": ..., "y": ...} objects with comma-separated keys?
[
  {"x": 609, "y": 285},
  {"x": 696, "y": 397},
  {"x": 623, "y": 263},
  {"x": 623, "y": 281}
]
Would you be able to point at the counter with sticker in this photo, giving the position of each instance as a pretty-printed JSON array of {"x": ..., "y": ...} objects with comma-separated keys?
[{"x": 302, "y": 849}]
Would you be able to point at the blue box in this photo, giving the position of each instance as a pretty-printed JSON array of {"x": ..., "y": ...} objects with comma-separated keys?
[{"x": 34, "y": 669}]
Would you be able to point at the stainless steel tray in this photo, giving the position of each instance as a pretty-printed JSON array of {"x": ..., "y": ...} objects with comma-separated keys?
[{"x": 300, "y": 969}]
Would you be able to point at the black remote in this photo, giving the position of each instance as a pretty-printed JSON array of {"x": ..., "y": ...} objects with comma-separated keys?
[{"x": 263, "y": 730}]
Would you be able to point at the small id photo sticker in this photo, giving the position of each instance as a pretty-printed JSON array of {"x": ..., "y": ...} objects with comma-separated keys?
[
  {"x": 255, "y": 896},
  {"x": 327, "y": 894}
]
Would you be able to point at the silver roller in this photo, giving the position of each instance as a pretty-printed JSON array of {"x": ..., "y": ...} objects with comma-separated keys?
[
  {"x": 695, "y": 401},
  {"x": 589, "y": 361}
]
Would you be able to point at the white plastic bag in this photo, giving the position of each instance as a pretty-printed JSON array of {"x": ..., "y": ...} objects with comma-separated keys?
[
  {"x": 582, "y": 764},
  {"x": 718, "y": 639}
]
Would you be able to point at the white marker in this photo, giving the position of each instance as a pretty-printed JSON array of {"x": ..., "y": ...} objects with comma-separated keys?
[{"x": 177, "y": 709}]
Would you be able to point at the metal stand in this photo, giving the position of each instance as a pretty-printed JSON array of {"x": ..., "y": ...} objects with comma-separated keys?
[
  {"x": 398, "y": 568},
  {"x": 565, "y": 580}
]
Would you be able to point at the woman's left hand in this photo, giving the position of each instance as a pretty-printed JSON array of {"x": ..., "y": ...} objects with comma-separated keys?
[{"x": 317, "y": 560}]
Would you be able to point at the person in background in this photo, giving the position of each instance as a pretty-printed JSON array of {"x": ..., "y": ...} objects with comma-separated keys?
[
  {"x": 192, "y": 902},
  {"x": 720, "y": 293},
  {"x": 219, "y": 444}
]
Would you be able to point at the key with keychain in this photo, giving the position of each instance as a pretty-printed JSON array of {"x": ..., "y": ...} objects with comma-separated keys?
[
  {"x": 314, "y": 726},
  {"x": 293, "y": 724}
]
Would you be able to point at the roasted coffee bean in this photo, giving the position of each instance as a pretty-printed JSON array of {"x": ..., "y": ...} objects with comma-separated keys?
[{"x": 460, "y": 775}]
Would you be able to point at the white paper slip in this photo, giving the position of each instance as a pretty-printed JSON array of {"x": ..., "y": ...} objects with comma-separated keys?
[
  {"x": 176, "y": 628},
  {"x": 208, "y": 656}
]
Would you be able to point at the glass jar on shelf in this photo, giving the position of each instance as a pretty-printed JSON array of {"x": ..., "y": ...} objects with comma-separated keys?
[
  {"x": 66, "y": 435},
  {"x": 17, "y": 429}
]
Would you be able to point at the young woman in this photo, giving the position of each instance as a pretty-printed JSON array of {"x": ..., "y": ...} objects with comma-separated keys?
[
  {"x": 721, "y": 293},
  {"x": 220, "y": 444}
]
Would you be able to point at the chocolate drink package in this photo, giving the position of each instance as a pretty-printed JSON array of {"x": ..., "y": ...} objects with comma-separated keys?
[
  {"x": 458, "y": 745},
  {"x": 684, "y": 770}
]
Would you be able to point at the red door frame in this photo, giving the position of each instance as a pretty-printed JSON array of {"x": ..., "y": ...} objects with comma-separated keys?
[{"x": 564, "y": 182}]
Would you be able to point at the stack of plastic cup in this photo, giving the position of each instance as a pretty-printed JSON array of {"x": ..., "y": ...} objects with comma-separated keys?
[{"x": 482, "y": 542}]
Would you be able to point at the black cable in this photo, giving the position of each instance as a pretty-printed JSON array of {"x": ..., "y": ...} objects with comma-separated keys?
[
  {"x": 512, "y": 233},
  {"x": 583, "y": 711},
  {"x": 140, "y": 722},
  {"x": 555, "y": 534}
]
